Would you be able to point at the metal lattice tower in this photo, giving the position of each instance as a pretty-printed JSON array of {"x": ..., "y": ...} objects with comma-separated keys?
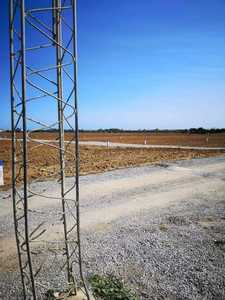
[{"x": 43, "y": 63}]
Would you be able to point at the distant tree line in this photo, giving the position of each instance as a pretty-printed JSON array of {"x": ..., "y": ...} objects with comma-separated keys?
[{"x": 199, "y": 130}]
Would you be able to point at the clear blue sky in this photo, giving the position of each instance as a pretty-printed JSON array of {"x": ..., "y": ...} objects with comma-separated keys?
[{"x": 144, "y": 64}]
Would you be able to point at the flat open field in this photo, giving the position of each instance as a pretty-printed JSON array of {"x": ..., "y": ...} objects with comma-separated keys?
[
  {"x": 43, "y": 160},
  {"x": 214, "y": 140},
  {"x": 205, "y": 140}
]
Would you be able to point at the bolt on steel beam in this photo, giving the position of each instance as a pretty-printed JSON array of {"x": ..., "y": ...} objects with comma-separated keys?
[{"x": 48, "y": 242}]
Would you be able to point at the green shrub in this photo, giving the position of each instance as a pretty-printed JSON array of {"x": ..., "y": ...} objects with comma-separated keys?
[{"x": 110, "y": 288}]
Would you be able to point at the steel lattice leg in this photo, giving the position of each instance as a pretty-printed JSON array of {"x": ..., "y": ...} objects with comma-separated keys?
[{"x": 54, "y": 28}]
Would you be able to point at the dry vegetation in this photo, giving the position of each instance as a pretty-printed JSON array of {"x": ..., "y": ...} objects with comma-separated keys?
[{"x": 43, "y": 160}]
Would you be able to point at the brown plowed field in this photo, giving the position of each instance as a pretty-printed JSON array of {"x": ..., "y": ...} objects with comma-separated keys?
[
  {"x": 181, "y": 139},
  {"x": 213, "y": 140},
  {"x": 43, "y": 160}
]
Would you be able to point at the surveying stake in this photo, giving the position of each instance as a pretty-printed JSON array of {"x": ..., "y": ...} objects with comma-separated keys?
[{"x": 1, "y": 173}]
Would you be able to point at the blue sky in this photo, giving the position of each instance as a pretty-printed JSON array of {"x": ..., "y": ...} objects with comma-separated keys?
[{"x": 144, "y": 64}]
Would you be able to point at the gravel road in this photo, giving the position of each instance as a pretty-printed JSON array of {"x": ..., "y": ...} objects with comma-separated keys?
[{"x": 161, "y": 228}]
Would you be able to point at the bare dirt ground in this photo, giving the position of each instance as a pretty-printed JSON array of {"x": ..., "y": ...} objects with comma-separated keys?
[
  {"x": 43, "y": 160},
  {"x": 159, "y": 228},
  {"x": 202, "y": 140},
  {"x": 217, "y": 140}
]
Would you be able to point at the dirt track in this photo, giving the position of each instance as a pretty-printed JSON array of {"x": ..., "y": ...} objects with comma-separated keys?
[
  {"x": 154, "y": 138},
  {"x": 139, "y": 223}
]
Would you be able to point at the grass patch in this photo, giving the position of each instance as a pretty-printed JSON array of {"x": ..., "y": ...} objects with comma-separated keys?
[{"x": 110, "y": 288}]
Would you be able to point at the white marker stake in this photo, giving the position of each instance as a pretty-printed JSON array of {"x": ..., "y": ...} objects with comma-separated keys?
[{"x": 1, "y": 173}]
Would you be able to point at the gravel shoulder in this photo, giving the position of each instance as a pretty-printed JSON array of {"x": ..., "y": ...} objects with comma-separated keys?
[{"x": 160, "y": 228}]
